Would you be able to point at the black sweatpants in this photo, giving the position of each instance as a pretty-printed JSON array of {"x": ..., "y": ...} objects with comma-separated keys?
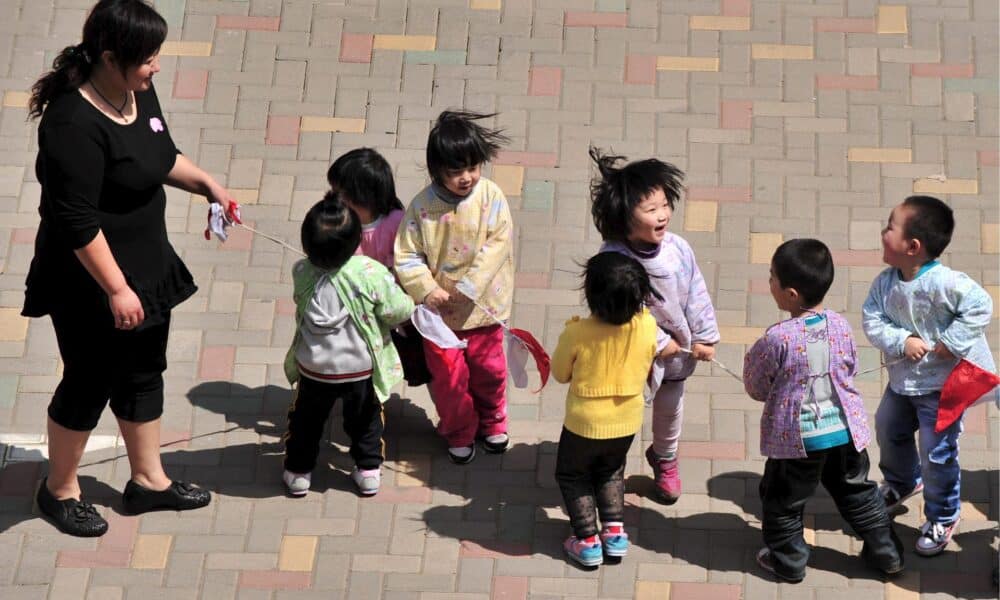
[
  {"x": 591, "y": 476},
  {"x": 308, "y": 414},
  {"x": 788, "y": 483}
]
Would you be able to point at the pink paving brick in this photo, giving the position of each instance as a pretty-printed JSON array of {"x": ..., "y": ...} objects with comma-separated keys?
[
  {"x": 527, "y": 159},
  {"x": 640, "y": 69},
  {"x": 736, "y": 8},
  {"x": 282, "y": 131},
  {"x": 531, "y": 280},
  {"x": 719, "y": 194},
  {"x": 239, "y": 239},
  {"x": 275, "y": 580},
  {"x": 683, "y": 590},
  {"x": 847, "y": 82},
  {"x": 989, "y": 158},
  {"x": 120, "y": 537},
  {"x": 733, "y": 450},
  {"x": 975, "y": 420},
  {"x": 402, "y": 495},
  {"x": 190, "y": 84},
  {"x": 23, "y": 235},
  {"x": 509, "y": 588},
  {"x": 545, "y": 81},
  {"x": 285, "y": 306},
  {"x": 857, "y": 258},
  {"x": 493, "y": 549},
  {"x": 951, "y": 71},
  {"x": 759, "y": 286},
  {"x": 93, "y": 558},
  {"x": 851, "y": 25},
  {"x": 356, "y": 47},
  {"x": 736, "y": 114},
  {"x": 243, "y": 22},
  {"x": 19, "y": 479},
  {"x": 595, "y": 19},
  {"x": 217, "y": 363},
  {"x": 175, "y": 440}
]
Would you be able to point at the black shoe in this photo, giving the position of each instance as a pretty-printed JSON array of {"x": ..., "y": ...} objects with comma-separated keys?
[
  {"x": 463, "y": 459},
  {"x": 888, "y": 561},
  {"x": 766, "y": 562},
  {"x": 137, "y": 499},
  {"x": 497, "y": 446},
  {"x": 71, "y": 515}
]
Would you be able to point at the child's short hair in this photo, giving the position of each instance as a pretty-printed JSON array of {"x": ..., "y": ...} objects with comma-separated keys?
[
  {"x": 618, "y": 190},
  {"x": 616, "y": 287},
  {"x": 365, "y": 178},
  {"x": 456, "y": 142},
  {"x": 931, "y": 221},
  {"x": 806, "y": 265},
  {"x": 331, "y": 232}
]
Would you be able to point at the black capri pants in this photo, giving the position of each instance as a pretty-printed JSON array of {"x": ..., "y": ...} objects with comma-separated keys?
[{"x": 102, "y": 364}]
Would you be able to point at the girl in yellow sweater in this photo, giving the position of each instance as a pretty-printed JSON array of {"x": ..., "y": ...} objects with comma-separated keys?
[{"x": 606, "y": 359}]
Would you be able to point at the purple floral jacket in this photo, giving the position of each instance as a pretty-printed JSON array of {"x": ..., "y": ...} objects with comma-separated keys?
[{"x": 776, "y": 372}]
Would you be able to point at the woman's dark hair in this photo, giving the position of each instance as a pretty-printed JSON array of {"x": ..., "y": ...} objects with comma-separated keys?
[
  {"x": 931, "y": 221},
  {"x": 364, "y": 177},
  {"x": 616, "y": 287},
  {"x": 131, "y": 30},
  {"x": 806, "y": 265},
  {"x": 456, "y": 142},
  {"x": 331, "y": 232},
  {"x": 618, "y": 190}
]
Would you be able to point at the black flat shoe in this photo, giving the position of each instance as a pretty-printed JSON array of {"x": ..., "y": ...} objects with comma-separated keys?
[
  {"x": 70, "y": 516},
  {"x": 137, "y": 499}
]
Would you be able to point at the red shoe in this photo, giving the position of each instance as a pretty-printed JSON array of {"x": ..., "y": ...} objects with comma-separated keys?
[{"x": 667, "y": 477}]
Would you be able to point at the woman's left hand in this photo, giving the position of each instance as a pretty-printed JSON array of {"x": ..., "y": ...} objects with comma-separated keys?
[
  {"x": 219, "y": 194},
  {"x": 704, "y": 352}
]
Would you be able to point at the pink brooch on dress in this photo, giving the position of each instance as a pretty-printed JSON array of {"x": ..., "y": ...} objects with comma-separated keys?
[{"x": 156, "y": 125}]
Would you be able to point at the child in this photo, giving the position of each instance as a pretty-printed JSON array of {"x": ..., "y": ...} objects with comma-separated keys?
[
  {"x": 453, "y": 253},
  {"x": 363, "y": 180},
  {"x": 931, "y": 315},
  {"x": 632, "y": 206},
  {"x": 606, "y": 358},
  {"x": 345, "y": 307},
  {"x": 814, "y": 427}
]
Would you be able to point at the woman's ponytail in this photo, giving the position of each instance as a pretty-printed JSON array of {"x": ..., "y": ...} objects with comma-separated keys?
[{"x": 69, "y": 70}]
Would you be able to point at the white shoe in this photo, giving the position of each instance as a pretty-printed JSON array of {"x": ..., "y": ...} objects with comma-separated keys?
[
  {"x": 297, "y": 484},
  {"x": 367, "y": 480},
  {"x": 934, "y": 537}
]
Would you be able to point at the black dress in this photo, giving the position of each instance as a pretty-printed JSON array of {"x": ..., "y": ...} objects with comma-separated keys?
[{"x": 98, "y": 175}]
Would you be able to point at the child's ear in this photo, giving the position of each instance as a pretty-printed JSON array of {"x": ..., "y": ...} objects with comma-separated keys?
[{"x": 914, "y": 247}]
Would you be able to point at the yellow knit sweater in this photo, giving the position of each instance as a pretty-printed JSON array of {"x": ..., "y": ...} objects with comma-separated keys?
[{"x": 606, "y": 366}]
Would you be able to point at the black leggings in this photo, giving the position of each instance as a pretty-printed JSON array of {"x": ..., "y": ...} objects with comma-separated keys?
[
  {"x": 591, "y": 477},
  {"x": 101, "y": 363}
]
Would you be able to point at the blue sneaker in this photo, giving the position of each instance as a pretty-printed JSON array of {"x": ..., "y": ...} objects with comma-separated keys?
[
  {"x": 615, "y": 540},
  {"x": 586, "y": 552}
]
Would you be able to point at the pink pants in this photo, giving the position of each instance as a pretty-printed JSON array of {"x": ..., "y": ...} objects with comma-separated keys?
[
  {"x": 468, "y": 386},
  {"x": 668, "y": 412}
]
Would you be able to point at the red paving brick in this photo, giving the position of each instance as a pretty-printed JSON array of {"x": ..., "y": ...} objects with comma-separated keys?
[
  {"x": 736, "y": 8},
  {"x": 683, "y": 590},
  {"x": 217, "y": 363},
  {"x": 736, "y": 114},
  {"x": 120, "y": 537},
  {"x": 356, "y": 47},
  {"x": 640, "y": 69},
  {"x": 275, "y": 580},
  {"x": 595, "y": 19},
  {"x": 857, "y": 258},
  {"x": 990, "y": 158},
  {"x": 89, "y": 559},
  {"x": 759, "y": 286},
  {"x": 953, "y": 71},
  {"x": 493, "y": 549},
  {"x": 719, "y": 194},
  {"x": 190, "y": 84},
  {"x": 531, "y": 280},
  {"x": 847, "y": 82},
  {"x": 545, "y": 81},
  {"x": 282, "y": 131},
  {"x": 285, "y": 306},
  {"x": 23, "y": 235},
  {"x": 975, "y": 420},
  {"x": 250, "y": 23},
  {"x": 240, "y": 239},
  {"x": 849, "y": 25},
  {"x": 527, "y": 159},
  {"x": 402, "y": 495},
  {"x": 176, "y": 440},
  {"x": 509, "y": 588}
]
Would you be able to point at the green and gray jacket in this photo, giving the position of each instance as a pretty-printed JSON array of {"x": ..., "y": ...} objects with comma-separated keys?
[{"x": 376, "y": 304}]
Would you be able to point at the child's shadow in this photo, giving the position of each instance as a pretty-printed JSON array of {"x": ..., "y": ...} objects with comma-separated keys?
[{"x": 963, "y": 570}]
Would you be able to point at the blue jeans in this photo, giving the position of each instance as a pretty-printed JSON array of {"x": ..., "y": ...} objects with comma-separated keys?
[{"x": 897, "y": 420}]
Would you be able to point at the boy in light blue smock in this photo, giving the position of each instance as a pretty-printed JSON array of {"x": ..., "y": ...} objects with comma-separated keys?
[{"x": 924, "y": 317}]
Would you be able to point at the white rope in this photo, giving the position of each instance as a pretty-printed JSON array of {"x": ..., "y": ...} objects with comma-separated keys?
[{"x": 272, "y": 238}]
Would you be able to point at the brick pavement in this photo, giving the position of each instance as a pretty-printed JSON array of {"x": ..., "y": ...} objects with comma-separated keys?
[{"x": 790, "y": 118}]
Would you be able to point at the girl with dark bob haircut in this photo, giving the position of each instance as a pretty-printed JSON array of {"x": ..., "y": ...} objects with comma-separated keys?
[{"x": 331, "y": 233}]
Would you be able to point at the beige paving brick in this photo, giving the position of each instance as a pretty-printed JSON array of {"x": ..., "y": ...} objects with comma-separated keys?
[
  {"x": 686, "y": 63},
  {"x": 891, "y": 19},
  {"x": 298, "y": 552},
  {"x": 880, "y": 155},
  {"x": 781, "y": 52},
  {"x": 404, "y": 42},
  {"x": 174, "y": 48},
  {"x": 226, "y": 296},
  {"x": 990, "y": 238},
  {"x": 510, "y": 178},
  {"x": 13, "y": 327},
  {"x": 652, "y": 590},
  {"x": 16, "y": 99},
  {"x": 948, "y": 186},
  {"x": 739, "y": 335},
  {"x": 698, "y": 22},
  {"x": 335, "y": 124},
  {"x": 151, "y": 551},
  {"x": 762, "y": 247},
  {"x": 485, "y": 4},
  {"x": 700, "y": 216}
]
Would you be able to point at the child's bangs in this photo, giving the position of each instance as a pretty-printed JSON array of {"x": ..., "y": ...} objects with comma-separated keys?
[{"x": 461, "y": 150}]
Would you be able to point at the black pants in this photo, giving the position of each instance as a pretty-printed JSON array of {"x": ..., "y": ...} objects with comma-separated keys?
[
  {"x": 591, "y": 477},
  {"x": 788, "y": 483},
  {"x": 410, "y": 347},
  {"x": 101, "y": 363},
  {"x": 308, "y": 413}
]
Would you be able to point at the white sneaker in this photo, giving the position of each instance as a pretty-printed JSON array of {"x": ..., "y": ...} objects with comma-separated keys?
[
  {"x": 297, "y": 484},
  {"x": 496, "y": 444},
  {"x": 462, "y": 455},
  {"x": 367, "y": 480},
  {"x": 934, "y": 537}
]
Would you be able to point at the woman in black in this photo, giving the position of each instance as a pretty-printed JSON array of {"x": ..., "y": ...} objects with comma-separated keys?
[{"x": 103, "y": 268}]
